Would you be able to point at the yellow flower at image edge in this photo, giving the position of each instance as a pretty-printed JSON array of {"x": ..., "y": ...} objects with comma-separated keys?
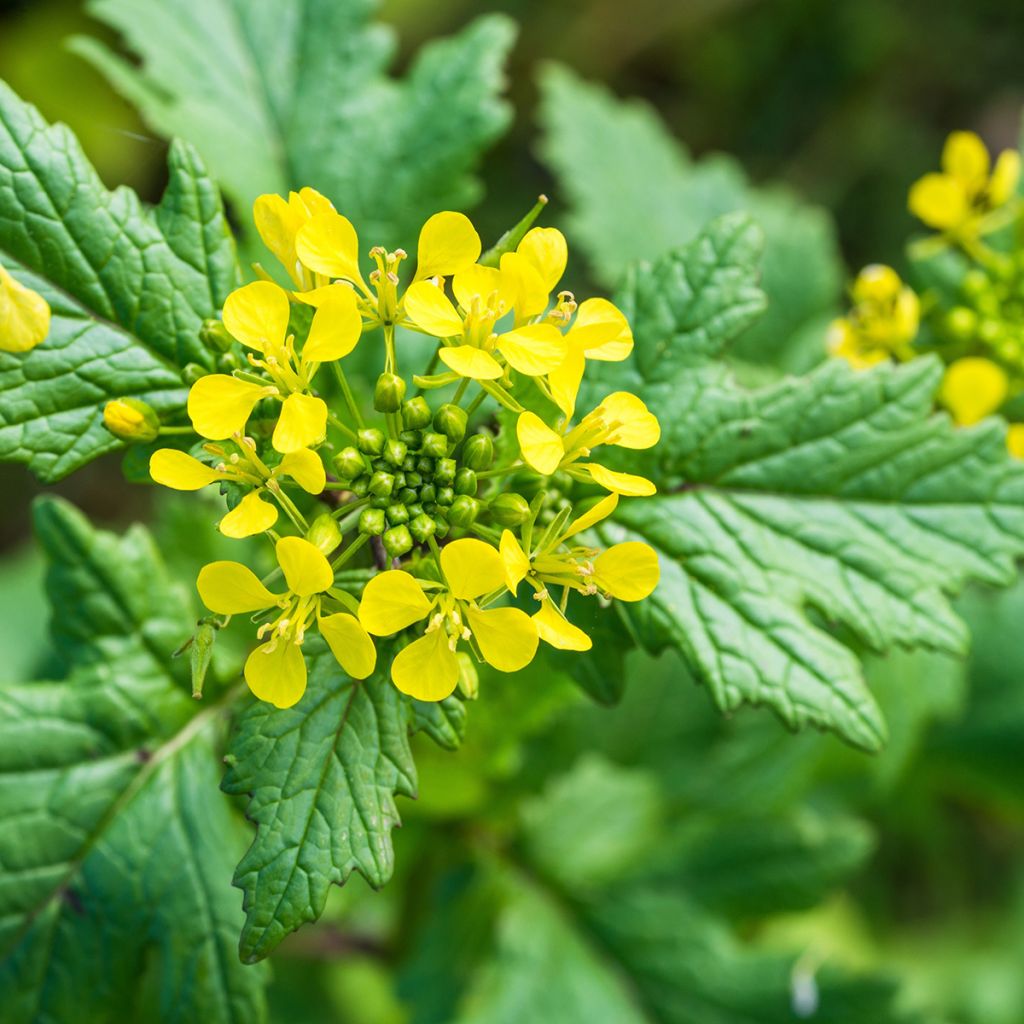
[
  {"x": 428, "y": 668},
  {"x": 24, "y": 316},
  {"x": 1015, "y": 440},
  {"x": 973, "y": 388},
  {"x": 276, "y": 670}
]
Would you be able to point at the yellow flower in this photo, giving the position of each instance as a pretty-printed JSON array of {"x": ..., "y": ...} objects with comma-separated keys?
[
  {"x": 253, "y": 514},
  {"x": 957, "y": 201},
  {"x": 257, "y": 315},
  {"x": 24, "y": 315},
  {"x": 534, "y": 269},
  {"x": 1015, "y": 440},
  {"x": 972, "y": 388},
  {"x": 627, "y": 571},
  {"x": 484, "y": 296},
  {"x": 882, "y": 323},
  {"x": 428, "y": 668},
  {"x": 276, "y": 670},
  {"x": 279, "y": 221},
  {"x": 621, "y": 419}
]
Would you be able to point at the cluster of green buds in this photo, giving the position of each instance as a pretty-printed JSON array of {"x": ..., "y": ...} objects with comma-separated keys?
[{"x": 990, "y": 313}]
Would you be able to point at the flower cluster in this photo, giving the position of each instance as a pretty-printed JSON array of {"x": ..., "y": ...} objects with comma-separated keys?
[{"x": 420, "y": 506}]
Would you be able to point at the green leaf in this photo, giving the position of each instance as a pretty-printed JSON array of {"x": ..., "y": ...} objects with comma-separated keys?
[
  {"x": 443, "y": 721},
  {"x": 115, "y": 847},
  {"x": 833, "y": 499},
  {"x": 128, "y": 287},
  {"x": 635, "y": 194},
  {"x": 277, "y": 97},
  {"x": 322, "y": 778}
]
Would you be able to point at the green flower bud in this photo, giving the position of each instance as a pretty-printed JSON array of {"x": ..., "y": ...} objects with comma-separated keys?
[
  {"x": 361, "y": 487},
  {"x": 395, "y": 452},
  {"x": 407, "y": 494},
  {"x": 213, "y": 334},
  {"x": 397, "y": 541},
  {"x": 450, "y": 420},
  {"x": 226, "y": 363},
  {"x": 131, "y": 419},
  {"x": 465, "y": 482},
  {"x": 469, "y": 680},
  {"x": 441, "y": 527},
  {"x": 372, "y": 521},
  {"x": 382, "y": 484},
  {"x": 990, "y": 331},
  {"x": 349, "y": 463},
  {"x": 191, "y": 372},
  {"x": 397, "y": 514},
  {"x": 414, "y": 509},
  {"x": 422, "y": 528},
  {"x": 509, "y": 509},
  {"x": 444, "y": 471},
  {"x": 410, "y": 438},
  {"x": 409, "y": 463},
  {"x": 371, "y": 440},
  {"x": 434, "y": 445},
  {"x": 323, "y": 533},
  {"x": 478, "y": 452},
  {"x": 416, "y": 413},
  {"x": 445, "y": 495},
  {"x": 424, "y": 466},
  {"x": 975, "y": 283},
  {"x": 413, "y": 479},
  {"x": 380, "y": 501},
  {"x": 428, "y": 492},
  {"x": 388, "y": 393},
  {"x": 962, "y": 323},
  {"x": 463, "y": 511},
  {"x": 201, "y": 655}
]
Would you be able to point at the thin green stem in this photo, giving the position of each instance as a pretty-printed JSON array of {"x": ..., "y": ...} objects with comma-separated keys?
[
  {"x": 350, "y": 551},
  {"x": 346, "y": 391},
  {"x": 476, "y": 403},
  {"x": 502, "y": 471},
  {"x": 297, "y": 518},
  {"x": 343, "y": 427},
  {"x": 460, "y": 391},
  {"x": 176, "y": 430}
]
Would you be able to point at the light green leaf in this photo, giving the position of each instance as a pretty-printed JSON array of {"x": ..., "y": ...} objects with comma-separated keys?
[
  {"x": 443, "y": 721},
  {"x": 322, "y": 779},
  {"x": 281, "y": 95},
  {"x": 635, "y": 194},
  {"x": 834, "y": 497},
  {"x": 128, "y": 287},
  {"x": 115, "y": 847}
]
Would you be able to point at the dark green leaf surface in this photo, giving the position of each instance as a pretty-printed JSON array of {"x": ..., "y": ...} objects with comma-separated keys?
[
  {"x": 115, "y": 848},
  {"x": 278, "y": 96},
  {"x": 837, "y": 495},
  {"x": 322, "y": 779},
  {"x": 128, "y": 288}
]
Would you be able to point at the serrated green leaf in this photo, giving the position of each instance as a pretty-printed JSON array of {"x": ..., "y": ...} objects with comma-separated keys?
[
  {"x": 279, "y": 96},
  {"x": 836, "y": 495},
  {"x": 322, "y": 779},
  {"x": 128, "y": 288},
  {"x": 115, "y": 847},
  {"x": 443, "y": 721},
  {"x": 635, "y": 194}
]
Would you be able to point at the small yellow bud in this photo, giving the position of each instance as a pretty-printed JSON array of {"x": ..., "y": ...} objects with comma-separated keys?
[
  {"x": 131, "y": 419},
  {"x": 469, "y": 679}
]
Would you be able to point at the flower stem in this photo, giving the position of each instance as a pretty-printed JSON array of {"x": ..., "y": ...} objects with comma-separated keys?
[
  {"x": 347, "y": 393},
  {"x": 349, "y": 551}
]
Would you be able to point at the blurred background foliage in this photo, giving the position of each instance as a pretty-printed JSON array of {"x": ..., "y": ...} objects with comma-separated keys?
[{"x": 570, "y": 845}]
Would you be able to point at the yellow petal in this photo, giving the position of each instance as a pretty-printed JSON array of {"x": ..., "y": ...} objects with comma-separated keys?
[
  {"x": 179, "y": 470},
  {"x": 350, "y": 644},
  {"x": 939, "y": 200},
  {"x": 304, "y": 565},
  {"x": 391, "y": 601},
  {"x": 257, "y": 315},
  {"x": 876, "y": 283},
  {"x": 637, "y": 426},
  {"x": 602, "y": 510},
  {"x": 545, "y": 248},
  {"x": 229, "y": 588},
  {"x": 515, "y": 560},
  {"x": 469, "y": 361},
  {"x": 1015, "y": 440},
  {"x": 24, "y": 315},
  {"x": 220, "y": 405},
  {"x": 627, "y": 484},
  {"x": 535, "y": 349},
  {"x": 432, "y": 311},
  {"x": 250, "y": 516},
  {"x": 524, "y": 284},
  {"x": 507, "y": 637},
  {"x": 318, "y": 296},
  {"x": 336, "y": 326},
  {"x": 302, "y": 423},
  {"x": 427, "y": 669},
  {"x": 542, "y": 448},
  {"x": 328, "y": 244},
  {"x": 477, "y": 283},
  {"x": 278, "y": 222},
  {"x": 555, "y": 629},
  {"x": 306, "y": 468},
  {"x": 1005, "y": 177},
  {"x": 276, "y": 673},
  {"x": 965, "y": 157},
  {"x": 565, "y": 381},
  {"x": 972, "y": 388},
  {"x": 448, "y": 243},
  {"x": 602, "y": 331},
  {"x": 627, "y": 571},
  {"x": 472, "y": 568}
]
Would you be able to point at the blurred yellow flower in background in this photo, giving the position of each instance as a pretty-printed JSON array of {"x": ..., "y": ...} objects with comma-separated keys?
[{"x": 882, "y": 322}]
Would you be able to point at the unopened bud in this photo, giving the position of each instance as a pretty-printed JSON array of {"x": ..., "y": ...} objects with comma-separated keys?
[
  {"x": 388, "y": 393},
  {"x": 463, "y": 511},
  {"x": 191, "y": 372},
  {"x": 397, "y": 514},
  {"x": 416, "y": 413},
  {"x": 465, "y": 482},
  {"x": 397, "y": 541},
  {"x": 469, "y": 679},
  {"x": 509, "y": 509},
  {"x": 372, "y": 521},
  {"x": 422, "y": 528},
  {"x": 324, "y": 533},
  {"x": 395, "y": 453},
  {"x": 444, "y": 471},
  {"x": 478, "y": 452},
  {"x": 371, "y": 440},
  {"x": 200, "y": 656},
  {"x": 382, "y": 484},
  {"x": 131, "y": 419},
  {"x": 451, "y": 421},
  {"x": 213, "y": 334},
  {"x": 962, "y": 323},
  {"x": 349, "y": 463},
  {"x": 433, "y": 445}
]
